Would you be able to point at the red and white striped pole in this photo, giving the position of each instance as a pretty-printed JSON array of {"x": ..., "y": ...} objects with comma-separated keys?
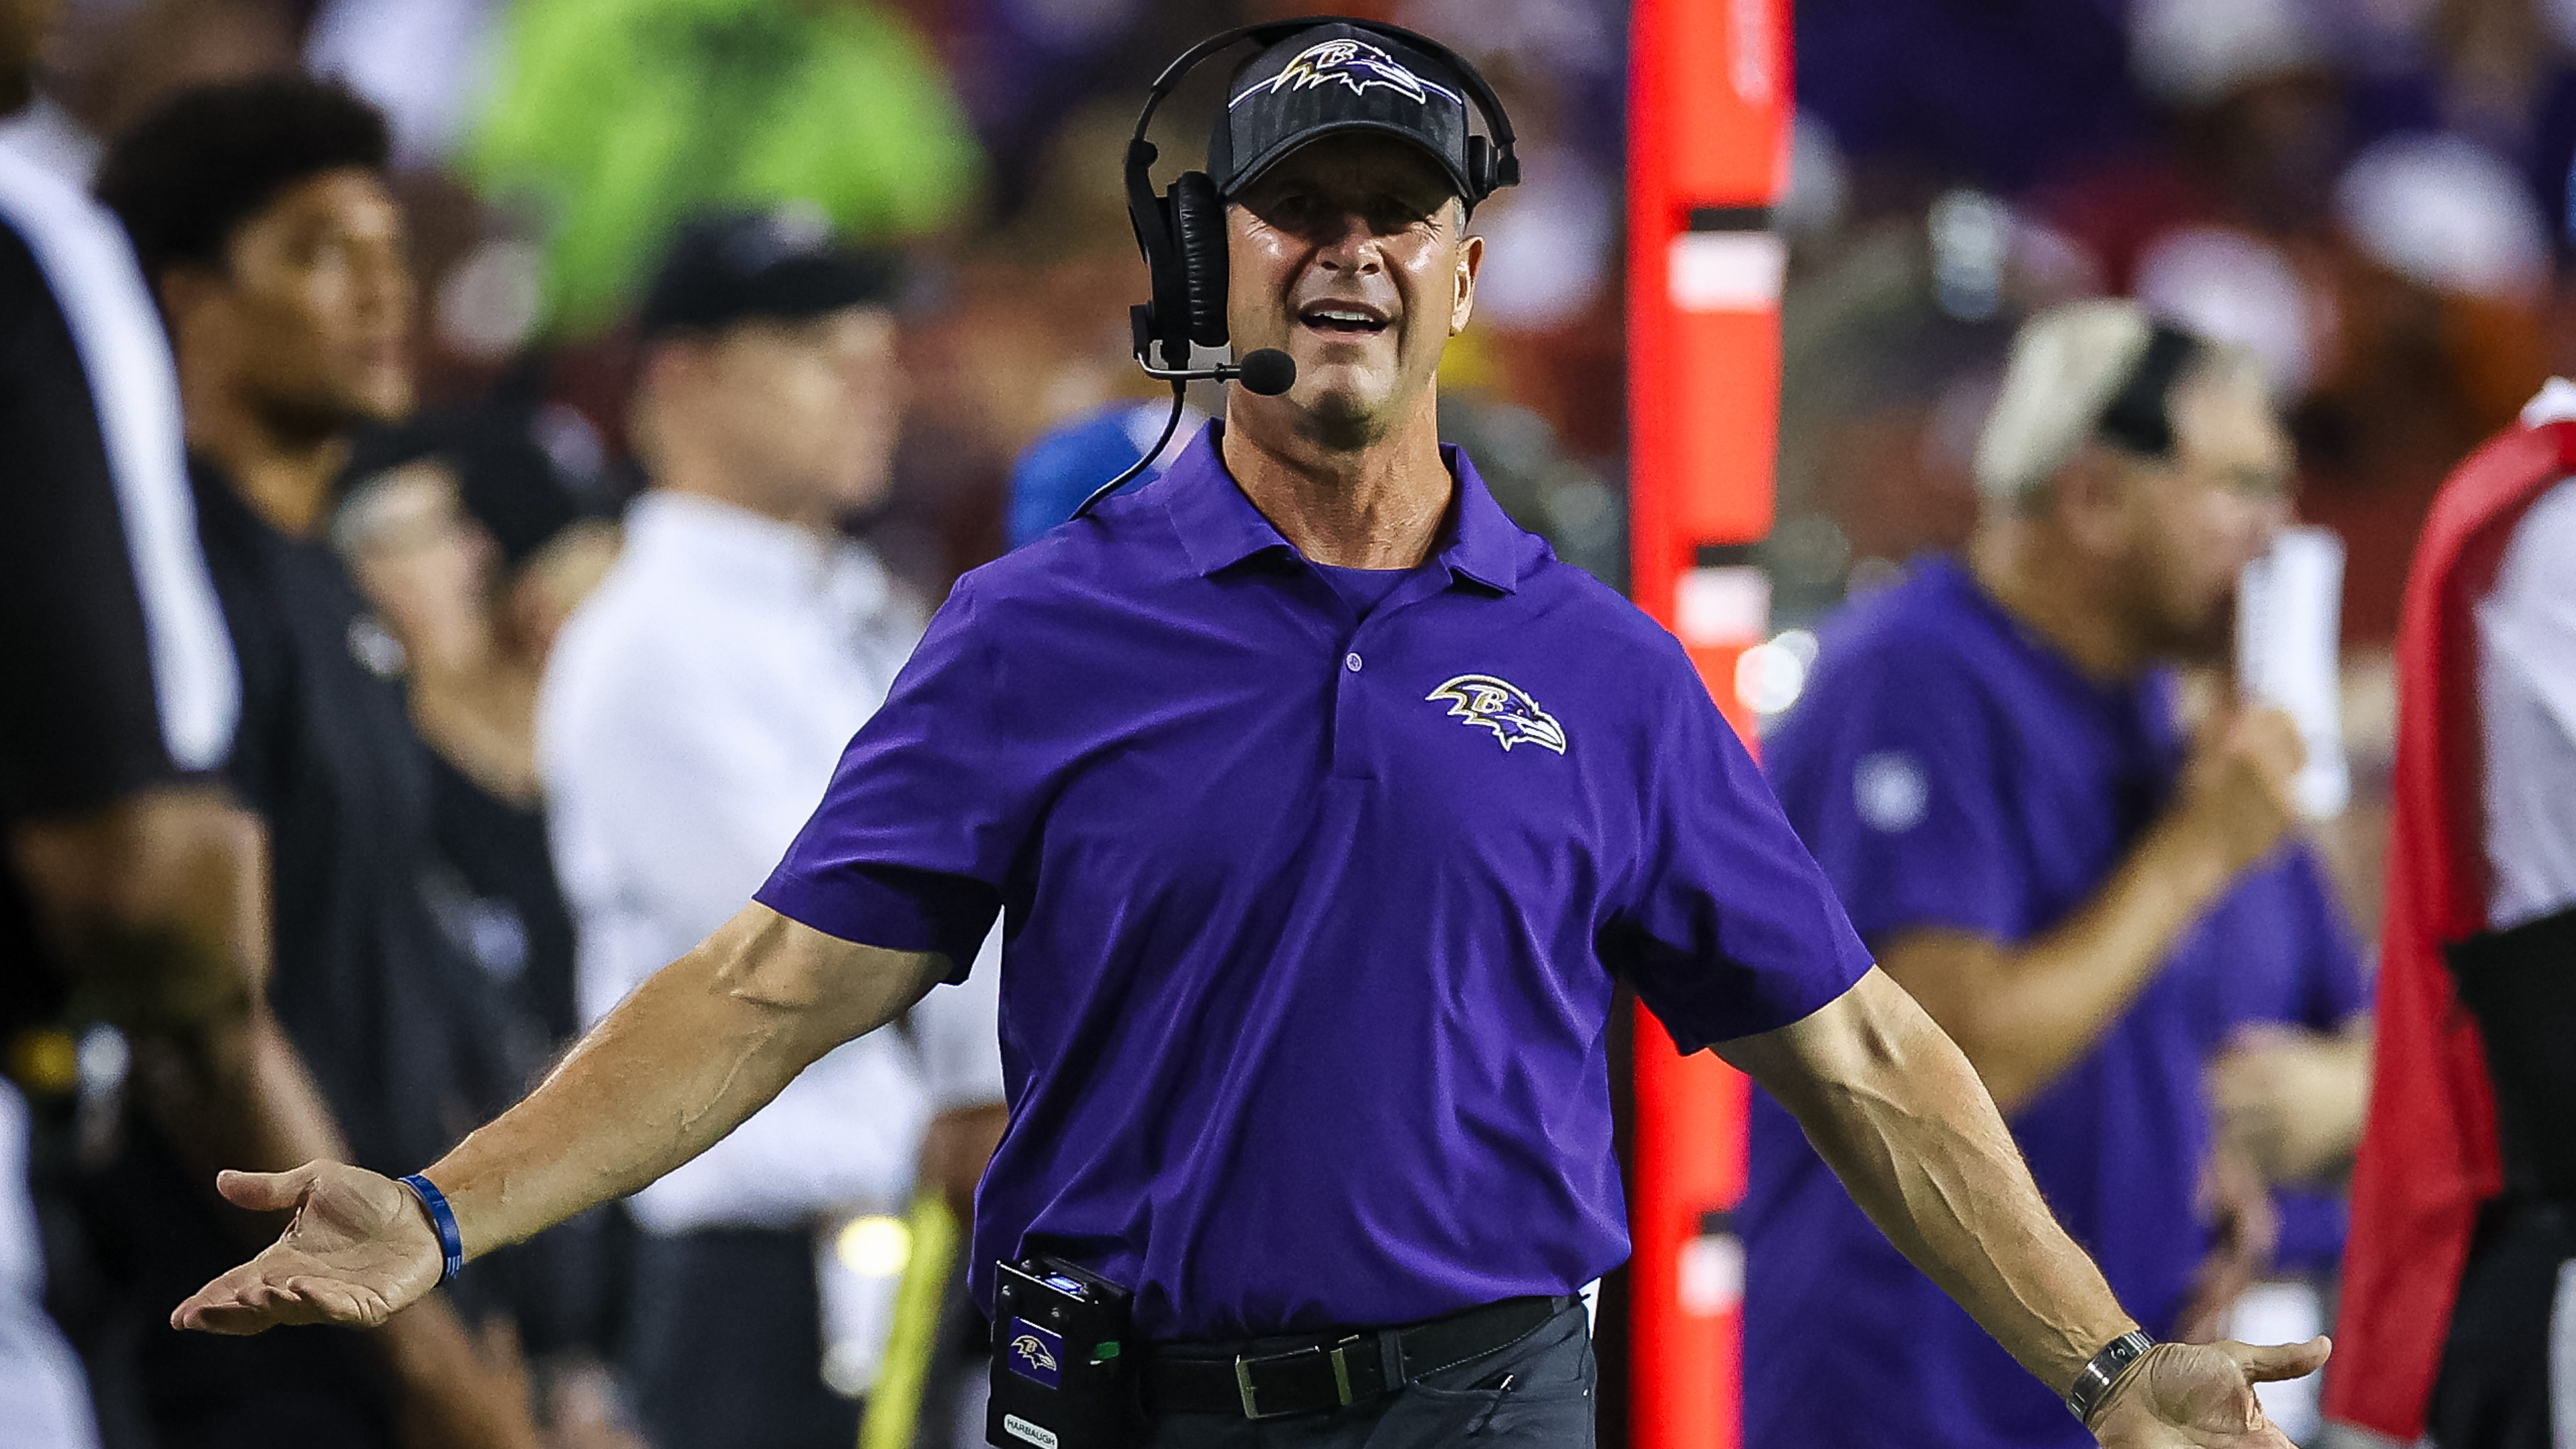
[{"x": 1708, "y": 144}]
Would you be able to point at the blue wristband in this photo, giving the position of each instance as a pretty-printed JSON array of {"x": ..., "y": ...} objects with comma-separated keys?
[{"x": 443, "y": 1218}]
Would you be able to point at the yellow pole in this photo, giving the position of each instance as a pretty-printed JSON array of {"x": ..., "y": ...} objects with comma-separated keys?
[{"x": 894, "y": 1403}]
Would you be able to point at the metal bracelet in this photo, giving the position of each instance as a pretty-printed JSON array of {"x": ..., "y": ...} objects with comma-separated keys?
[{"x": 2093, "y": 1386}]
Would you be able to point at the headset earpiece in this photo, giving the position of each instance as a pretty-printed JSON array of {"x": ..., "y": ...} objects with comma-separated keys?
[{"x": 1198, "y": 244}]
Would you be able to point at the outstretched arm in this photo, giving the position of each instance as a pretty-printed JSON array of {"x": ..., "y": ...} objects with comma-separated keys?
[
  {"x": 1896, "y": 1110},
  {"x": 703, "y": 1044}
]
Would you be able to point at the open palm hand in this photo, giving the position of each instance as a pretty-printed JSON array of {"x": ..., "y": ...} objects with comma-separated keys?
[
  {"x": 358, "y": 1249},
  {"x": 2201, "y": 1396}
]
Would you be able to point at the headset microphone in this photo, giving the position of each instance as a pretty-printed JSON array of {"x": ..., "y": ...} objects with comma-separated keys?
[{"x": 1267, "y": 371}]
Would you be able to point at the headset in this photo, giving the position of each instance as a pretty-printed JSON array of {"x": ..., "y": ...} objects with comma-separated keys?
[
  {"x": 1182, "y": 232},
  {"x": 2139, "y": 417}
]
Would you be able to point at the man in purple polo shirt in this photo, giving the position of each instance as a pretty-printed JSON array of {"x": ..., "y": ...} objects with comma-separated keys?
[
  {"x": 1323, "y": 808},
  {"x": 1987, "y": 765}
]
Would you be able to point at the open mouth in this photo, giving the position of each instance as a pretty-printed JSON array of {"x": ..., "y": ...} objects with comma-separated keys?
[{"x": 1343, "y": 319}]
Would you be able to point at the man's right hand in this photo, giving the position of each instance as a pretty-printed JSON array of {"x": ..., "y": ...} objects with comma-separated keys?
[
  {"x": 2201, "y": 1396},
  {"x": 2238, "y": 790},
  {"x": 358, "y": 1250}
]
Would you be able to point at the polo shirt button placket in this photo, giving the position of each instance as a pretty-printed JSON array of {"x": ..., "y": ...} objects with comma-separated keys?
[{"x": 1350, "y": 751}]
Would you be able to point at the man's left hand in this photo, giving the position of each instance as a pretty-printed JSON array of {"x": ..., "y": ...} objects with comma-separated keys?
[{"x": 2201, "y": 1396}]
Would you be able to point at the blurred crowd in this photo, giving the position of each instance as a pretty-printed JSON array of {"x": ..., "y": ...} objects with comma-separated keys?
[
  {"x": 543, "y": 151},
  {"x": 2369, "y": 194},
  {"x": 2364, "y": 196}
]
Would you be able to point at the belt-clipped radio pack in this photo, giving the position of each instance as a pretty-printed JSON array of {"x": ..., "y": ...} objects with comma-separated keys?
[{"x": 1061, "y": 1359}]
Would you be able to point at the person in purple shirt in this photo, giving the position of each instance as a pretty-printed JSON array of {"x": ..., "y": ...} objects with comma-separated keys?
[
  {"x": 1323, "y": 809},
  {"x": 1988, "y": 766}
]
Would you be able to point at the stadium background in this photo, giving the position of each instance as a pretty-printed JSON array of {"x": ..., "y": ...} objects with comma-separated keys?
[{"x": 2371, "y": 194}]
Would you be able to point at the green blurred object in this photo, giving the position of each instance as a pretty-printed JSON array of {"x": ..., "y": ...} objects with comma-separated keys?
[
  {"x": 894, "y": 1400},
  {"x": 620, "y": 117}
]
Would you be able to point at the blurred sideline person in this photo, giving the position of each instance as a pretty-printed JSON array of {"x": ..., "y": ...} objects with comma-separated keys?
[
  {"x": 128, "y": 886},
  {"x": 2460, "y": 1289},
  {"x": 1326, "y": 810},
  {"x": 1989, "y": 767},
  {"x": 433, "y": 573},
  {"x": 456, "y": 599},
  {"x": 260, "y": 214},
  {"x": 691, "y": 715},
  {"x": 134, "y": 885}
]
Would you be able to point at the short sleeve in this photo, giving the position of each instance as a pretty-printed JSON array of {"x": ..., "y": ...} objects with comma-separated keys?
[
  {"x": 80, "y": 722},
  {"x": 926, "y": 811},
  {"x": 1732, "y": 930},
  {"x": 1888, "y": 770}
]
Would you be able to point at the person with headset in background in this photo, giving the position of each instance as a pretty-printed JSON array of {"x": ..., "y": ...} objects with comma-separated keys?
[
  {"x": 1326, "y": 809},
  {"x": 1988, "y": 762}
]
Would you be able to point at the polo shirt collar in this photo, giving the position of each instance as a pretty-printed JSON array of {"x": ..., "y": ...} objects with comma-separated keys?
[{"x": 1219, "y": 527}]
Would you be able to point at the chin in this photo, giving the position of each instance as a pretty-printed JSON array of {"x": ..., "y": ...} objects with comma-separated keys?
[
  {"x": 1341, "y": 407},
  {"x": 2210, "y": 642}
]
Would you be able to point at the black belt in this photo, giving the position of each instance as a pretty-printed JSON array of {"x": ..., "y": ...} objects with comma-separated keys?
[{"x": 1273, "y": 1377}]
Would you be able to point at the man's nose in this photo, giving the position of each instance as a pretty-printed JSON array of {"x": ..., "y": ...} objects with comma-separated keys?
[{"x": 1345, "y": 242}]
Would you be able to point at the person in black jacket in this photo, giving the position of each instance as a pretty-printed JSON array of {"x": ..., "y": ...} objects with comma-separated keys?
[{"x": 260, "y": 214}]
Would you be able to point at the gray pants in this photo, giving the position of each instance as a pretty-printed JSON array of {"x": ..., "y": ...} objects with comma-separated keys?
[{"x": 1533, "y": 1394}]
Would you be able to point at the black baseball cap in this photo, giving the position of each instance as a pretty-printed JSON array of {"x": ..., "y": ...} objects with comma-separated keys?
[
  {"x": 1334, "y": 78},
  {"x": 726, "y": 267}
]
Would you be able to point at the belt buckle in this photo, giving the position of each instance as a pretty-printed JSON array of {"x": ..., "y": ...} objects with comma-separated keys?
[{"x": 1245, "y": 1363}]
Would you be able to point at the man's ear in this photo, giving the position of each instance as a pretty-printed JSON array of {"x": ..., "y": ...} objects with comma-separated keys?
[{"x": 1462, "y": 303}]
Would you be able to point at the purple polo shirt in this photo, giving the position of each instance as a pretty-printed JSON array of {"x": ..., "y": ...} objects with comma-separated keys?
[
  {"x": 1312, "y": 921},
  {"x": 1953, "y": 771}
]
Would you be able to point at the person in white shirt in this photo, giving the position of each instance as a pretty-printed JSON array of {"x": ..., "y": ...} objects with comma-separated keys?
[
  {"x": 2526, "y": 627},
  {"x": 690, "y": 717}
]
